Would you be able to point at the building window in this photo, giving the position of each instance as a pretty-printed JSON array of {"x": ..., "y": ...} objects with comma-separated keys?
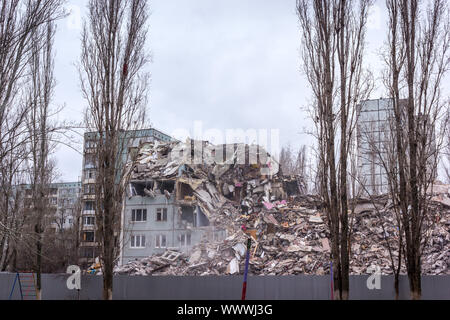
[
  {"x": 89, "y": 161},
  {"x": 88, "y": 221},
  {"x": 89, "y": 189},
  {"x": 185, "y": 240},
  {"x": 160, "y": 241},
  {"x": 137, "y": 241},
  {"x": 87, "y": 252},
  {"x": 88, "y": 236},
  {"x": 138, "y": 215},
  {"x": 89, "y": 205},
  {"x": 161, "y": 214},
  {"x": 90, "y": 144},
  {"x": 90, "y": 174}
]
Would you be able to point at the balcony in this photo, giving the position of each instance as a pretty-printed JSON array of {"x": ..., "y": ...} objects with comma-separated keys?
[
  {"x": 88, "y": 227},
  {"x": 89, "y": 244},
  {"x": 89, "y": 181},
  {"x": 88, "y": 197}
]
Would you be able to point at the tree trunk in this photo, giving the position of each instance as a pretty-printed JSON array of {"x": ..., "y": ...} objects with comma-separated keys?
[
  {"x": 396, "y": 286},
  {"x": 38, "y": 262},
  {"x": 415, "y": 286},
  {"x": 107, "y": 284}
]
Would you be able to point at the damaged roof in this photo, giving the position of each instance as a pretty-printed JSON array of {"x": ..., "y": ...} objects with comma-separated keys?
[{"x": 211, "y": 174}]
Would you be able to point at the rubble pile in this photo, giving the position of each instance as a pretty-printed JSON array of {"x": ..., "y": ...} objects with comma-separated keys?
[
  {"x": 290, "y": 230},
  {"x": 293, "y": 239},
  {"x": 211, "y": 176}
]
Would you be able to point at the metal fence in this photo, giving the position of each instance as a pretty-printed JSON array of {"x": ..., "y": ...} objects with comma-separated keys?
[{"x": 224, "y": 287}]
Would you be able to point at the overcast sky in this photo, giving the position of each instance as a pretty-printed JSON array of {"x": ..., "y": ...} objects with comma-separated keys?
[{"x": 229, "y": 63}]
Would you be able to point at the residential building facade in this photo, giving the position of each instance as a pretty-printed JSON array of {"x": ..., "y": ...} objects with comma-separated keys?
[
  {"x": 373, "y": 133},
  {"x": 68, "y": 202},
  {"x": 89, "y": 248},
  {"x": 155, "y": 224},
  {"x": 62, "y": 200},
  {"x": 376, "y": 139}
]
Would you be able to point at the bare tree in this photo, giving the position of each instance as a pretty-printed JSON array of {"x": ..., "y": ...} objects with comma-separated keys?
[
  {"x": 114, "y": 85},
  {"x": 446, "y": 150},
  {"x": 11, "y": 201},
  {"x": 295, "y": 165},
  {"x": 417, "y": 60},
  {"x": 20, "y": 27},
  {"x": 333, "y": 43},
  {"x": 393, "y": 241},
  {"x": 301, "y": 169},
  {"x": 287, "y": 160},
  {"x": 38, "y": 99},
  {"x": 19, "y": 23}
]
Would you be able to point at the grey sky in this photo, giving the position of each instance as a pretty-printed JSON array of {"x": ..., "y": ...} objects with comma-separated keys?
[{"x": 229, "y": 63}]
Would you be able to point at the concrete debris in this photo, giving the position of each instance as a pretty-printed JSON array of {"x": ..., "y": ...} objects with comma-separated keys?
[
  {"x": 195, "y": 257},
  {"x": 233, "y": 266},
  {"x": 302, "y": 247},
  {"x": 240, "y": 248},
  {"x": 325, "y": 244},
  {"x": 292, "y": 235},
  {"x": 315, "y": 219},
  {"x": 170, "y": 255}
]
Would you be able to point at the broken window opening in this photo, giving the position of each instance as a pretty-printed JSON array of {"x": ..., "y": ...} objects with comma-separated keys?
[
  {"x": 228, "y": 191},
  {"x": 168, "y": 185},
  {"x": 188, "y": 215},
  {"x": 201, "y": 219},
  {"x": 161, "y": 214},
  {"x": 163, "y": 153},
  {"x": 138, "y": 188},
  {"x": 184, "y": 192}
]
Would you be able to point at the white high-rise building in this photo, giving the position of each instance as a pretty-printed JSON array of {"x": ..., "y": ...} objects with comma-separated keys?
[{"x": 373, "y": 136}]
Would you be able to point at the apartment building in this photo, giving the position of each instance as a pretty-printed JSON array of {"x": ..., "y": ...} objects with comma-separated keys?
[
  {"x": 154, "y": 224},
  {"x": 63, "y": 201},
  {"x": 375, "y": 139},
  {"x": 67, "y": 204},
  {"x": 89, "y": 248},
  {"x": 373, "y": 132}
]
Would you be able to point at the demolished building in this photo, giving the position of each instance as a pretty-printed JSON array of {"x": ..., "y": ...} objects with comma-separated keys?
[
  {"x": 292, "y": 238},
  {"x": 182, "y": 193},
  {"x": 290, "y": 228}
]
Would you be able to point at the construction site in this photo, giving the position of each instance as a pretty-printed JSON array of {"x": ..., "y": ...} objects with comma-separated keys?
[
  {"x": 224, "y": 150},
  {"x": 234, "y": 196},
  {"x": 289, "y": 229}
]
